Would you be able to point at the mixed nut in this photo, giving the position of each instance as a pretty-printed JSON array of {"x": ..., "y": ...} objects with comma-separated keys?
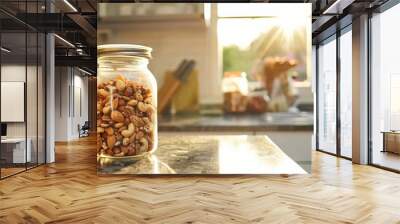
[{"x": 126, "y": 118}]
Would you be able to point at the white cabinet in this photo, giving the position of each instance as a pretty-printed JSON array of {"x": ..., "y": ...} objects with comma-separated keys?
[{"x": 16, "y": 148}]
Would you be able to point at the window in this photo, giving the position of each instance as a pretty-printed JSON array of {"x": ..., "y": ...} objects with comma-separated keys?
[
  {"x": 346, "y": 92},
  {"x": 327, "y": 95},
  {"x": 250, "y": 33},
  {"x": 385, "y": 89}
]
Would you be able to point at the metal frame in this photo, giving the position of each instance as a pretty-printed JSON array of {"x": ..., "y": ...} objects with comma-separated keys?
[
  {"x": 369, "y": 101},
  {"x": 0, "y": 91},
  {"x": 316, "y": 97},
  {"x": 338, "y": 98}
]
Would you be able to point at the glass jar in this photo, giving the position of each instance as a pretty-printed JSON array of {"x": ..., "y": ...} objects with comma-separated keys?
[
  {"x": 235, "y": 88},
  {"x": 126, "y": 102}
]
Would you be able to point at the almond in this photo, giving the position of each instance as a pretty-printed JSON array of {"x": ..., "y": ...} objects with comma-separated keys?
[
  {"x": 117, "y": 116},
  {"x": 111, "y": 141},
  {"x": 109, "y": 131}
]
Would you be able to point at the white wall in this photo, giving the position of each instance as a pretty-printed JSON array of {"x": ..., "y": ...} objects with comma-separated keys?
[
  {"x": 12, "y": 73},
  {"x": 33, "y": 127},
  {"x": 69, "y": 82}
]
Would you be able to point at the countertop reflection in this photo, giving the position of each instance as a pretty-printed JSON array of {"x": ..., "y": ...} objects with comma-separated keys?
[{"x": 240, "y": 154}]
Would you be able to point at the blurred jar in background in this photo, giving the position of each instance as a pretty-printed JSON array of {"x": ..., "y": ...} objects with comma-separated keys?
[
  {"x": 279, "y": 83},
  {"x": 235, "y": 88},
  {"x": 258, "y": 98}
]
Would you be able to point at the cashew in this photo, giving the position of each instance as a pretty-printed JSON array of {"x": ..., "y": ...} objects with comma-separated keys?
[
  {"x": 139, "y": 97},
  {"x": 128, "y": 133},
  {"x": 106, "y": 110},
  {"x": 122, "y": 128},
  {"x": 125, "y": 141},
  {"x": 142, "y": 107}
]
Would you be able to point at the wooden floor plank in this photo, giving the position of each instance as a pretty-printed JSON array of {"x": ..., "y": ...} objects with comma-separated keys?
[{"x": 69, "y": 191}]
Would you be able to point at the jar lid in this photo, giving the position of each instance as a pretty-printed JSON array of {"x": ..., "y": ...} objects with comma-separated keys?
[{"x": 124, "y": 50}]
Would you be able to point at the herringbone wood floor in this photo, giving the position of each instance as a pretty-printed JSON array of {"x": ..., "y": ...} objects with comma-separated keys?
[{"x": 69, "y": 191}]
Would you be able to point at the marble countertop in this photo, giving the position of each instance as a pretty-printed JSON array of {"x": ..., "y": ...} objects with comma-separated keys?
[
  {"x": 302, "y": 121},
  {"x": 224, "y": 154}
]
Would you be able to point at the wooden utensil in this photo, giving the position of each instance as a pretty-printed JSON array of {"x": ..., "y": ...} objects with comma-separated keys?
[{"x": 172, "y": 83}]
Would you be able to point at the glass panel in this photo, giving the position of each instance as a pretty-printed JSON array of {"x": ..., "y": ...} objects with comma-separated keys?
[
  {"x": 346, "y": 94},
  {"x": 385, "y": 89},
  {"x": 31, "y": 98},
  {"x": 22, "y": 88},
  {"x": 327, "y": 96},
  {"x": 32, "y": 88},
  {"x": 41, "y": 99},
  {"x": 13, "y": 79}
]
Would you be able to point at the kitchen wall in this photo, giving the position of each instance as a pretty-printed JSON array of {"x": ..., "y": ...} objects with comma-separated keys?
[
  {"x": 173, "y": 41},
  {"x": 71, "y": 102}
]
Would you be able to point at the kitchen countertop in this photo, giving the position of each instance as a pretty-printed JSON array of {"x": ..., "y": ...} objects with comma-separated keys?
[
  {"x": 239, "y": 154},
  {"x": 302, "y": 121}
]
